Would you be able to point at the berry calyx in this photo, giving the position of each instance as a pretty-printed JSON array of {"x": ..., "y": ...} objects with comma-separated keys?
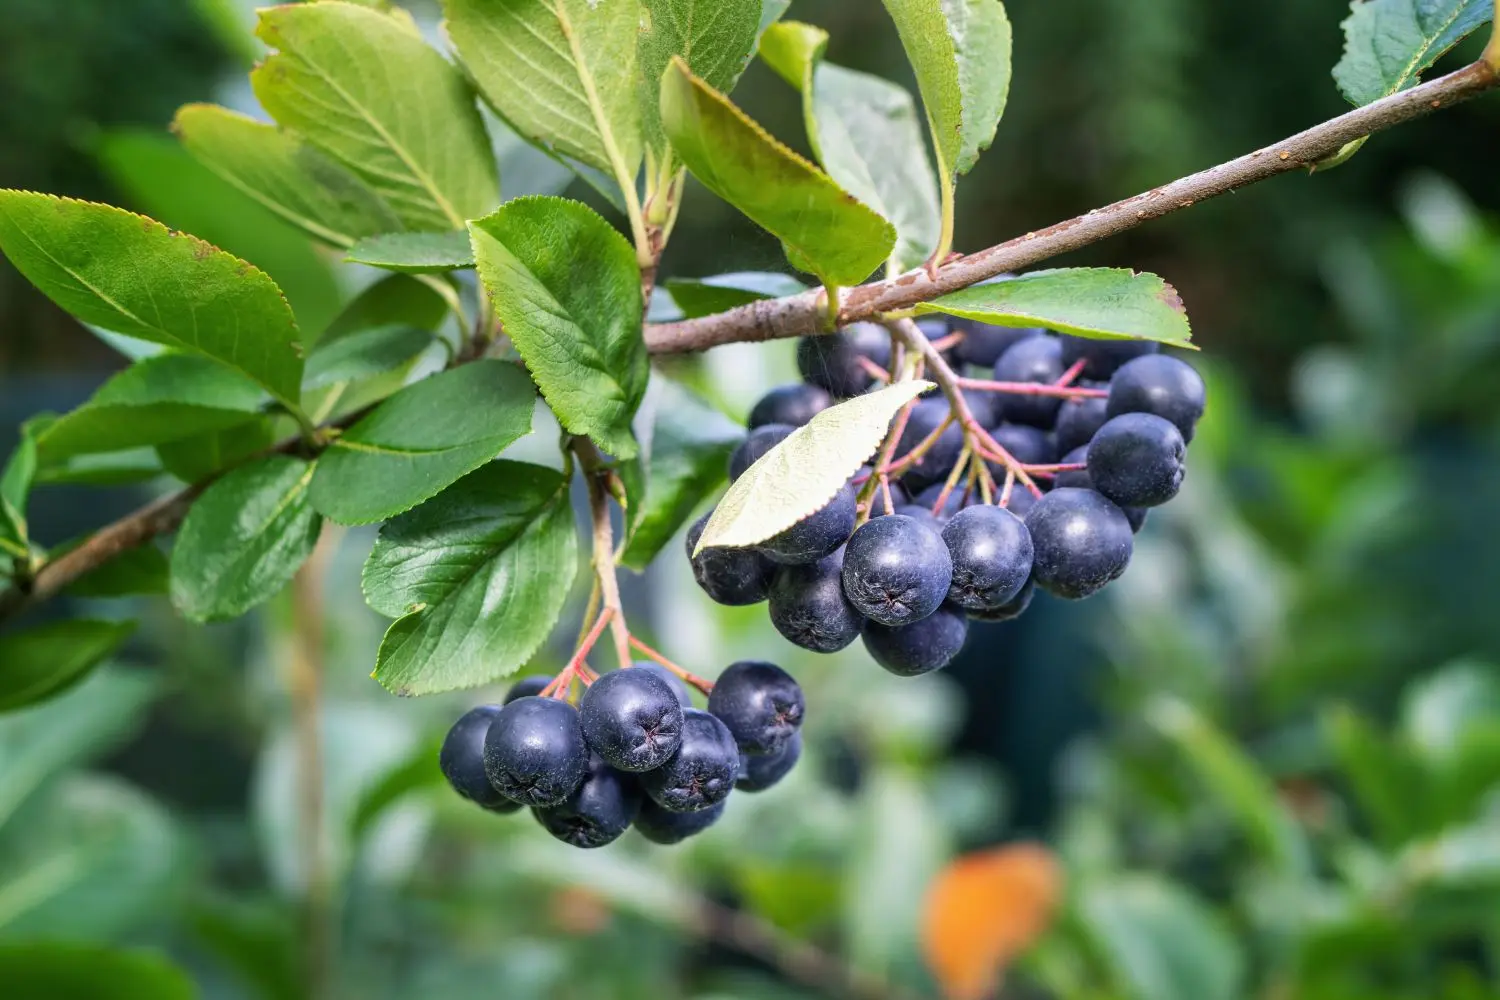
[
  {"x": 896, "y": 570},
  {"x": 702, "y": 772}
]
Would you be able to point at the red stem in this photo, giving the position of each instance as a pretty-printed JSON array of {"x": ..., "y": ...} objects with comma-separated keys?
[
  {"x": 1059, "y": 389},
  {"x": 576, "y": 667},
  {"x": 698, "y": 682}
]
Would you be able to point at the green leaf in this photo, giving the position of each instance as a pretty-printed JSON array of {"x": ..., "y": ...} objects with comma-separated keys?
[
  {"x": 1159, "y": 942},
  {"x": 244, "y": 539},
  {"x": 47, "y": 659},
  {"x": 397, "y": 300},
  {"x": 15, "y": 484},
  {"x": 418, "y": 772},
  {"x": 118, "y": 468},
  {"x": 802, "y": 473},
  {"x": 706, "y": 296},
  {"x": 197, "y": 458},
  {"x": 288, "y": 175},
  {"x": 481, "y": 574},
  {"x": 366, "y": 88},
  {"x": 156, "y": 400},
  {"x": 422, "y": 439},
  {"x": 415, "y": 253},
  {"x": 90, "y": 972},
  {"x": 364, "y": 354},
  {"x": 135, "y": 572},
  {"x": 866, "y": 133},
  {"x": 716, "y": 38},
  {"x": 690, "y": 446},
  {"x": 1387, "y": 783},
  {"x": 1442, "y": 708},
  {"x": 1388, "y": 43},
  {"x": 1103, "y": 303},
  {"x": 566, "y": 287},
  {"x": 825, "y": 230},
  {"x": 131, "y": 275},
  {"x": 562, "y": 73}
]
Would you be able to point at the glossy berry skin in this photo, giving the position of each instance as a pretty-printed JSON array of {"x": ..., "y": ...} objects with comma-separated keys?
[
  {"x": 662, "y": 826},
  {"x": 937, "y": 461},
  {"x": 983, "y": 344},
  {"x": 534, "y": 752},
  {"x": 1014, "y": 608},
  {"x": 702, "y": 772},
  {"x": 1027, "y": 445},
  {"x": 1081, "y": 540},
  {"x": 816, "y": 535},
  {"x": 1159, "y": 384},
  {"x": 599, "y": 810},
  {"x": 896, "y": 570},
  {"x": 830, "y": 361},
  {"x": 677, "y": 684},
  {"x": 992, "y": 557},
  {"x": 1035, "y": 359},
  {"x": 462, "y": 759},
  {"x": 1078, "y": 420},
  {"x": 809, "y": 609},
  {"x": 733, "y": 577},
  {"x": 759, "y": 441},
  {"x": 1103, "y": 357},
  {"x": 757, "y": 773},
  {"x": 793, "y": 405},
  {"x": 923, "y": 514},
  {"x": 533, "y": 684},
  {"x": 1136, "y": 460},
  {"x": 632, "y": 719},
  {"x": 760, "y": 703},
  {"x": 921, "y": 647}
]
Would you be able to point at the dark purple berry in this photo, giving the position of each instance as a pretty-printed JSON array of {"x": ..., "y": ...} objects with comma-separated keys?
[
  {"x": 1159, "y": 384},
  {"x": 462, "y": 759},
  {"x": 599, "y": 810},
  {"x": 533, "y": 684},
  {"x": 734, "y": 577},
  {"x": 1075, "y": 478},
  {"x": 793, "y": 405},
  {"x": 983, "y": 344},
  {"x": 1035, "y": 359},
  {"x": 935, "y": 464},
  {"x": 755, "y": 446},
  {"x": 1013, "y": 608},
  {"x": 808, "y": 606},
  {"x": 760, "y": 703},
  {"x": 896, "y": 570},
  {"x": 632, "y": 719},
  {"x": 831, "y": 360},
  {"x": 1079, "y": 419},
  {"x": 702, "y": 772},
  {"x": 816, "y": 535},
  {"x": 534, "y": 752},
  {"x": 1103, "y": 357},
  {"x": 759, "y": 772},
  {"x": 1081, "y": 540},
  {"x": 1027, "y": 445},
  {"x": 921, "y": 647},
  {"x": 662, "y": 826},
  {"x": 1136, "y": 460},
  {"x": 991, "y": 551}
]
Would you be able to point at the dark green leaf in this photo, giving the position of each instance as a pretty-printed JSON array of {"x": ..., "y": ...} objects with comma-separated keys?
[
  {"x": 117, "y": 469},
  {"x": 1388, "y": 43},
  {"x": 257, "y": 939},
  {"x": 415, "y": 253},
  {"x": 397, "y": 300},
  {"x": 131, "y": 275},
  {"x": 139, "y": 571},
  {"x": 481, "y": 574},
  {"x": 705, "y": 296},
  {"x": 89, "y": 972},
  {"x": 690, "y": 448},
  {"x": 15, "y": 484},
  {"x": 47, "y": 659},
  {"x": 1387, "y": 784},
  {"x": 364, "y": 354},
  {"x": 825, "y": 230},
  {"x": 194, "y": 459},
  {"x": 422, "y": 439},
  {"x": 716, "y": 38},
  {"x": 244, "y": 539},
  {"x": 566, "y": 286}
]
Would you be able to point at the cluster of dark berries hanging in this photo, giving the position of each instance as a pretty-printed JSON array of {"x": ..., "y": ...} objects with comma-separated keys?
[
  {"x": 1039, "y": 478},
  {"x": 632, "y": 752}
]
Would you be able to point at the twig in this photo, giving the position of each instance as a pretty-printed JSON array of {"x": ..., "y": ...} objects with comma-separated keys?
[
  {"x": 1059, "y": 389},
  {"x": 596, "y": 475},
  {"x": 559, "y": 686},
  {"x": 706, "y": 686}
]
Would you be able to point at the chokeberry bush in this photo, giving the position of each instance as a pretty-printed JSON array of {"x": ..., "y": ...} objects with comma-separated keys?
[{"x": 968, "y": 430}]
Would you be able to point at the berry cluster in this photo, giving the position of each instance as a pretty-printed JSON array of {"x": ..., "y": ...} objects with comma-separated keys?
[
  {"x": 634, "y": 751},
  {"x": 1036, "y": 477}
]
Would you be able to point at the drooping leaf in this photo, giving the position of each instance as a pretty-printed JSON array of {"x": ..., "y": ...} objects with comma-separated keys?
[
  {"x": 825, "y": 230},
  {"x": 690, "y": 445},
  {"x": 285, "y": 173},
  {"x": 368, "y": 90},
  {"x": 422, "y": 439},
  {"x": 800, "y": 475},
  {"x": 44, "y": 660},
  {"x": 90, "y": 972},
  {"x": 1388, "y": 43},
  {"x": 131, "y": 275},
  {"x": 195, "y": 459},
  {"x": 160, "y": 399},
  {"x": 480, "y": 574},
  {"x": 415, "y": 253},
  {"x": 135, "y": 572},
  {"x": 16, "y": 477},
  {"x": 1099, "y": 302},
  {"x": 866, "y": 133},
  {"x": 364, "y": 354},
  {"x": 244, "y": 539},
  {"x": 705, "y": 296},
  {"x": 566, "y": 287},
  {"x": 561, "y": 72},
  {"x": 716, "y": 38}
]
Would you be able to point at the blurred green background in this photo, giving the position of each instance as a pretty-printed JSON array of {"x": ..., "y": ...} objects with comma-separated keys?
[{"x": 1267, "y": 760}]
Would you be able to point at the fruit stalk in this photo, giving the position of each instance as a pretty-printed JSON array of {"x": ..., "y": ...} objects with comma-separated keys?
[{"x": 596, "y": 474}]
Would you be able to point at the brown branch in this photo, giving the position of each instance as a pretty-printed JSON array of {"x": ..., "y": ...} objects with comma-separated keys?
[{"x": 770, "y": 319}]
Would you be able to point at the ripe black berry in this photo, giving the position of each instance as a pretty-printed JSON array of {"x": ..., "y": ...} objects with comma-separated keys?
[
  {"x": 462, "y": 759},
  {"x": 816, "y": 535},
  {"x": 896, "y": 570},
  {"x": 759, "y": 441},
  {"x": 1136, "y": 460},
  {"x": 831, "y": 360},
  {"x": 662, "y": 826},
  {"x": 599, "y": 810},
  {"x": 760, "y": 703},
  {"x": 937, "y": 461},
  {"x": 1159, "y": 384},
  {"x": 809, "y": 608},
  {"x": 759, "y": 772},
  {"x": 678, "y": 686},
  {"x": 1027, "y": 445},
  {"x": 734, "y": 577},
  {"x": 533, "y": 684},
  {"x": 921, "y": 647},
  {"x": 1081, "y": 542},
  {"x": 956, "y": 502},
  {"x": 1035, "y": 359},
  {"x": 983, "y": 344},
  {"x": 984, "y": 406},
  {"x": 1103, "y": 357},
  {"x": 992, "y": 557},
  {"x": 793, "y": 405},
  {"x": 702, "y": 772},
  {"x": 1079, "y": 419},
  {"x": 534, "y": 752},
  {"x": 1013, "y": 608},
  {"x": 632, "y": 719},
  {"x": 1075, "y": 478}
]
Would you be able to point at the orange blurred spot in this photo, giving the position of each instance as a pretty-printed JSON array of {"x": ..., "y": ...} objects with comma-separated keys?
[
  {"x": 578, "y": 911},
  {"x": 982, "y": 911}
]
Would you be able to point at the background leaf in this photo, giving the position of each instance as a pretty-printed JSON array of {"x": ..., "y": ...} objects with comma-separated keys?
[
  {"x": 415, "y": 253},
  {"x": 567, "y": 288},
  {"x": 422, "y": 439},
  {"x": 197, "y": 458},
  {"x": 824, "y": 229},
  {"x": 1388, "y": 43},
  {"x": 802, "y": 473},
  {"x": 244, "y": 539},
  {"x": 134, "y": 572},
  {"x": 90, "y": 972},
  {"x": 705, "y": 296},
  {"x": 364, "y": 354},
  {"x": 15, "y": 485},
  {"x": 1098, "y": 302},
  {"x": 716, "y": 38},
  {"x": 46, "y": 659}
]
